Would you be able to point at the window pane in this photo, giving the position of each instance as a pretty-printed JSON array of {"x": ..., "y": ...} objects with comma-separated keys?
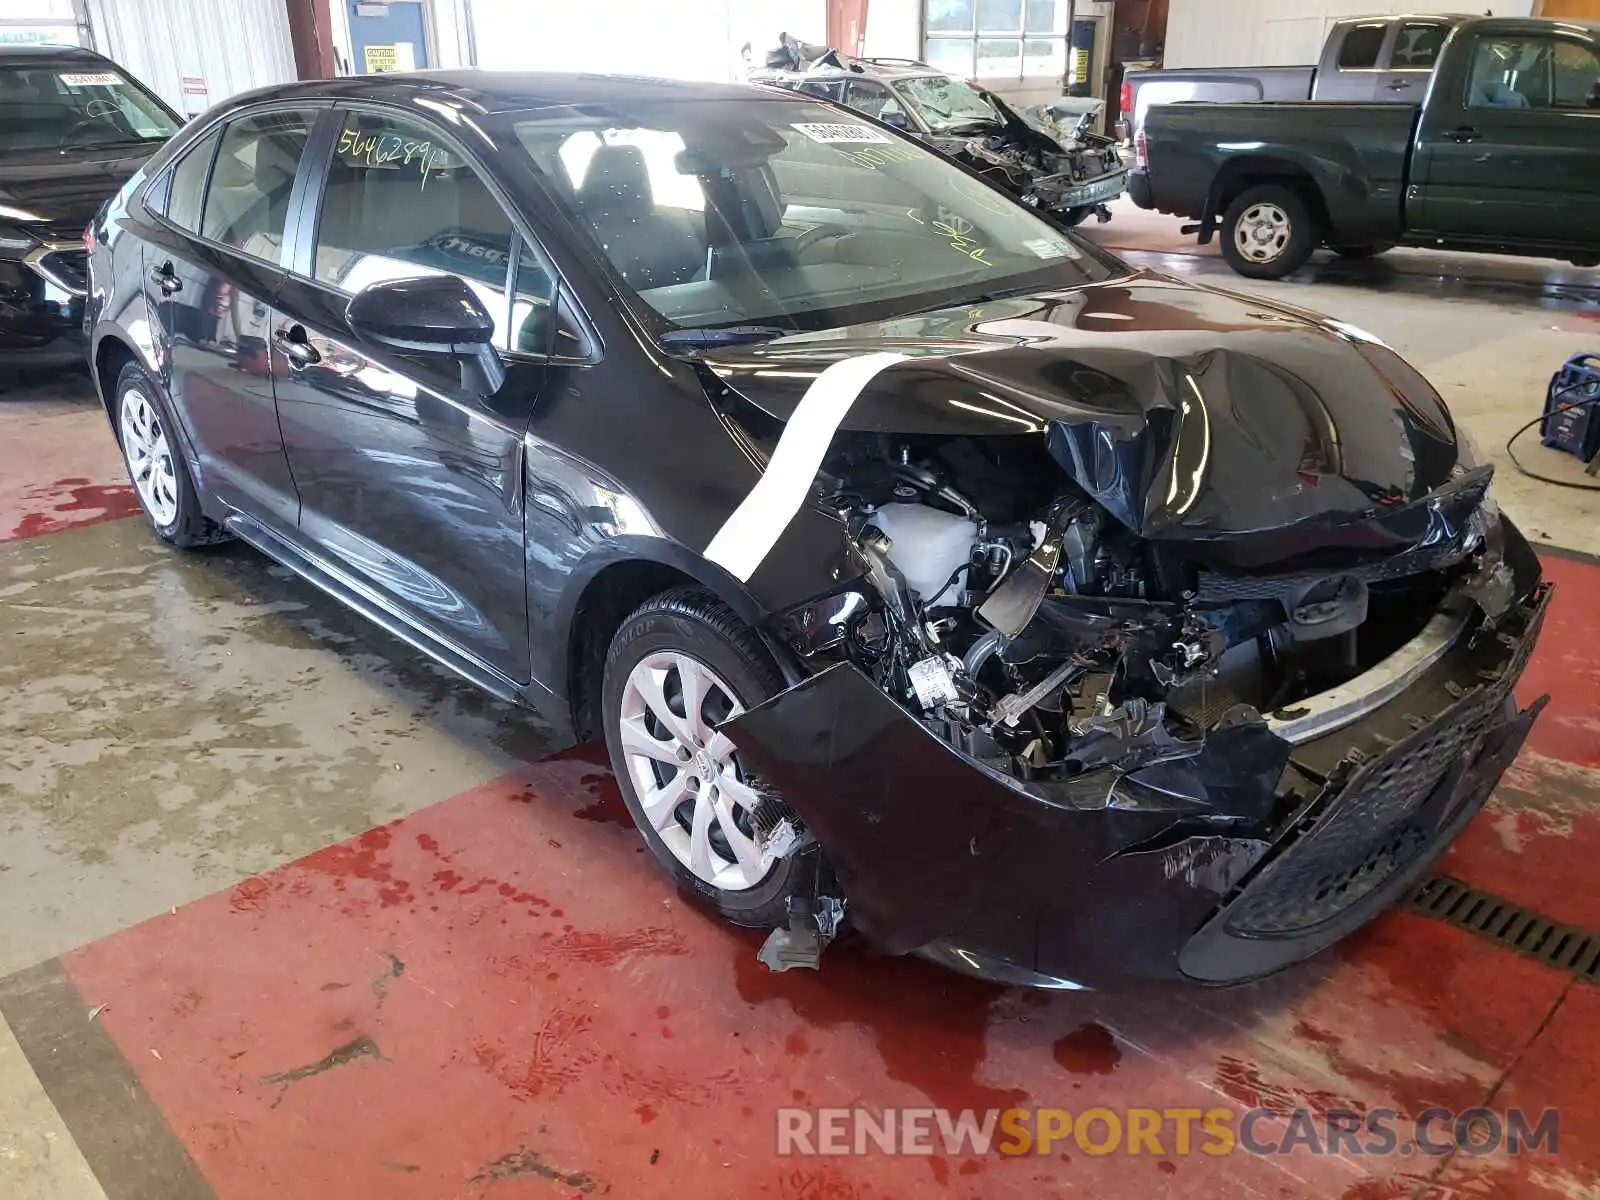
[
  {"x": 1000, "y": 58},
  {"x": 1577, "y": 76},
  {"x": 188, "y": 183},
  {"x": 1000, "y": 16},
  {"x": 1361, "y": 46},
  {"x": 949, "y": 16},
  {"x": 399, "y": 203},
  {"x": 1042, "y": 16},
  {"x": 952, "y": 56},
  {"x": 532, "y": 305},
  {"x": 1044, "y": 56},
  {"x": 72, "y": 105},
  {"x": 1511, "y": 73},
  {"x": 248, "y": 202},
  {"x": 1418, "y": 47}
]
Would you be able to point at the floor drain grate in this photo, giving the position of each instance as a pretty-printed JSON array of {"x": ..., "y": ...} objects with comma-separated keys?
[{"x": 1516, "y": 928}]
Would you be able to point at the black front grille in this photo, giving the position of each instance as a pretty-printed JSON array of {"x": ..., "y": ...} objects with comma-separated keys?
[
  {"x": 1362, "y": 832},
  {"x": 1219, "y": 589}
]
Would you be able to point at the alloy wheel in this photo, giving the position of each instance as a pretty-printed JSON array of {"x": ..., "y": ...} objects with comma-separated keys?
[
  {"x": 1262, "y": 233},
  {"x": 686, "y": 773},
  {"x": 148, "y": 452}
]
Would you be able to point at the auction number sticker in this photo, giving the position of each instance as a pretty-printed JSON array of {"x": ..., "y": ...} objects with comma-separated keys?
[
  {"x": 841, "y": 133},
  {"x": 1050, "y": 247},
  {"x": 104, "y": 79}
]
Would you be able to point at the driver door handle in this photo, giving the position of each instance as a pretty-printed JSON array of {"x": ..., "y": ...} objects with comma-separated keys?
[
  {"x": 166, "y": 278},
  {"x": 1464, "y": 134},
  {"x": 294, "y": 344}
]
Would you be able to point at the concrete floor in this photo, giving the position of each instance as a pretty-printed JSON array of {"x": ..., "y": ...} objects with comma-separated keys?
[{"x": 289, "y": 912}]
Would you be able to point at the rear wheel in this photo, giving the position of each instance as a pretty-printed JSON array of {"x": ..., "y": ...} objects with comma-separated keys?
[
  {"x": 1268, "y": 232},
  {"x": 679, "y": 667},
  {"x": 154, "y": 458}
]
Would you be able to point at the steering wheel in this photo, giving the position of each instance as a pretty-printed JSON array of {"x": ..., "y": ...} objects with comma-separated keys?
[{"x": 78, "y": 127}]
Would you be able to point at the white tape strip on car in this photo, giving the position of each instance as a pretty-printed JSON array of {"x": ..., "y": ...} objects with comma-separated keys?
[{"x": 747, "y": 537}]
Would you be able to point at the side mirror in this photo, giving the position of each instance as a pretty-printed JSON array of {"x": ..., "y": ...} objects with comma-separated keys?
[
  {"x": 894, "y": 119},
  {"x": 432, "y": 314}
]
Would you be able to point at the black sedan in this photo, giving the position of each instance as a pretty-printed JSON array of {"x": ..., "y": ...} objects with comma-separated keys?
[
  {"x": 1051, "y": 618},
  {"x": 73, "y": 128}
]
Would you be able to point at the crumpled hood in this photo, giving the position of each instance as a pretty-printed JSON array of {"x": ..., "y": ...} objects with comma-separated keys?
[
  {"x": 1189, "y": 413},
  {"x": 68, "y": 189}
]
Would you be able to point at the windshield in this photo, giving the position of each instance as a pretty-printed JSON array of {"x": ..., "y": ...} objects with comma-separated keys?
[
  {"x": 946, "y": 103},
  {"x": 786, "y": 212},
  {"x": 82, "y": 106}
]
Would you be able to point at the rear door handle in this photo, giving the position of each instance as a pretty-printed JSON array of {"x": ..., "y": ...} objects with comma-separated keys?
[
  {"x": 1464, "y": 133},
  {"x": 165, "y": 278},
  {"x": 293, "y": 343},
  {"x": 1399, "y": 85}
]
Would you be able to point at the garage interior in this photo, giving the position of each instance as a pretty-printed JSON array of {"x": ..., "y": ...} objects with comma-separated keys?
[{"x": 291, "y": 911}]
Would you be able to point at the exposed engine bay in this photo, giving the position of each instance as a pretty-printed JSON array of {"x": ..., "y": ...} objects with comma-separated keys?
[
  {"x": 1045, "y": 160},
  {"x": 1036, "y": 634}
]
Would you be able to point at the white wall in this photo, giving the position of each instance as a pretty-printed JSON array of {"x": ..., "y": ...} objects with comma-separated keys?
[
  {"x": 893, "y": 29},
  {"x": 234, "y": 45},
  {"x": 684, "y": 39},
  {"x": 1261, "y": 33}
]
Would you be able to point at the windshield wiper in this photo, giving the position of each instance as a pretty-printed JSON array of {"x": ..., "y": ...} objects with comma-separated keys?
[{"x": 730, "y": 335}]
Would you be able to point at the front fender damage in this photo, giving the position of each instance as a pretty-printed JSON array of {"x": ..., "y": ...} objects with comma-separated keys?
[{"x": 930, "y": 846}]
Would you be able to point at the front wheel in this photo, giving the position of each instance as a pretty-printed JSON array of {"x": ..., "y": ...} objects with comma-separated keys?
[
  {"x": 679, "y": 667},
  {"x": 1268, "y": 232}
]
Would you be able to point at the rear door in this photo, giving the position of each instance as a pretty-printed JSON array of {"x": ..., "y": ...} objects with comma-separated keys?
[
  {"x": 411, "y": 483},
  {"x": 215, "y": 263},
  {"x": 1409, "y": 58},
  {"x": 1510, "y": 148}
]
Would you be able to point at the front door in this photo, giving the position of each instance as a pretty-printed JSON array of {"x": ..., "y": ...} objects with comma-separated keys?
[
  {"x": 1510, "y": 153},
  {"x": 214, "y": 274},
  {"x": 411, "y": 483}
]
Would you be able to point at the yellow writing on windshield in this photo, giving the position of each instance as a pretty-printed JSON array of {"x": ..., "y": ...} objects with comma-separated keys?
[{"x": 957, "y": 240}]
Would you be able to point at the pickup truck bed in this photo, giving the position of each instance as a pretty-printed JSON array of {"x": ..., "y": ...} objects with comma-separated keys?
[{"x": 1362, "y": 147}]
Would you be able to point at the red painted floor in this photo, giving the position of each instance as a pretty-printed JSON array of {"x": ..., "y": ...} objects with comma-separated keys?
[{"x": 501, "y": 996}]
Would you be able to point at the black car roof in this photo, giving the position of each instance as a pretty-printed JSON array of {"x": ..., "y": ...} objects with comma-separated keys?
[
  {"x": 511, "y": 91},
  {"x": 33, "y": 53}
]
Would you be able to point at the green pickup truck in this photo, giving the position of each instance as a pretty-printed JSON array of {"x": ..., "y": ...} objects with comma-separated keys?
[{"x": 1502, "y": 155}]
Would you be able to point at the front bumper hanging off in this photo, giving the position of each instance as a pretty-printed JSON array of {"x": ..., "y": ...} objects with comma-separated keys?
[{"x": 1245, "y": 857}]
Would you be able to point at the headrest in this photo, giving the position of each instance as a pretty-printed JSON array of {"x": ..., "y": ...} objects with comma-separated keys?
[{"x": 617, "y": 182}]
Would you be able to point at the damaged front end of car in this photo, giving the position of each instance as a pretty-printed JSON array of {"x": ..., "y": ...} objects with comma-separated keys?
[
  {"x": 1089, "y": 704},
  {"x": 1069, "y": 172}
]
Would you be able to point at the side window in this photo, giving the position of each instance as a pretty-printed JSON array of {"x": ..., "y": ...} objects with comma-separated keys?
[
  {"x": 873, "y": 99},
  {"x": 1361, "y": 47},
  {"x": 1417, "y": 47},
  {"x": 1577, "y": 76},
  {"x": 247, "y": 204},
  {"x": 400, "y": 203},
  {"x": 1533, "y": 72},
  {"x": 187, "y": 186},
  {"x": 532, "y": 303}
]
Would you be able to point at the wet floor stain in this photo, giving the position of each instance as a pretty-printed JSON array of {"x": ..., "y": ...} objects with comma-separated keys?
[
  {"x": 69, "y": 503},
  {"x": 607, "y": 807},
  {"x": 1089, "y": 1050}
]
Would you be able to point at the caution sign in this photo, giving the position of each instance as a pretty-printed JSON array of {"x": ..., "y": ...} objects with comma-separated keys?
[{"x": 382, "y": 59}]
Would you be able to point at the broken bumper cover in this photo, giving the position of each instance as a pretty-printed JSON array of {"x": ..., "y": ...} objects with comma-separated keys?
[{"x": 1238, "y": 860}]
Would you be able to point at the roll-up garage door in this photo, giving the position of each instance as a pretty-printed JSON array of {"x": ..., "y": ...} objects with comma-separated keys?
[{"x": 196, "y": 53}]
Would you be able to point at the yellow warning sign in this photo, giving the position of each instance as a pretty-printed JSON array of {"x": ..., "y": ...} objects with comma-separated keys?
[{"x": 382, "y": 58}]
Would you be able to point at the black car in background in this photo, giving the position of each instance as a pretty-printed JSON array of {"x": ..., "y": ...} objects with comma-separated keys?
[
  {"x": 1051, "y": 618},
  {"x": 73, "y": 128}
]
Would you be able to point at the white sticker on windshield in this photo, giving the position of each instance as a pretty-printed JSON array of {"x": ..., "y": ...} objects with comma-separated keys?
[
  {"x": 104, "y": 79},
  {"x": 834, "y": 134},
  {"x": 1051, "y": 247}
]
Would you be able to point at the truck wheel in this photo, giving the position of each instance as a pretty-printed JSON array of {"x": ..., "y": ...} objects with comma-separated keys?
[
  {"x": 1268, "y": 232},
  {"x": 1372, "y": 250}
]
